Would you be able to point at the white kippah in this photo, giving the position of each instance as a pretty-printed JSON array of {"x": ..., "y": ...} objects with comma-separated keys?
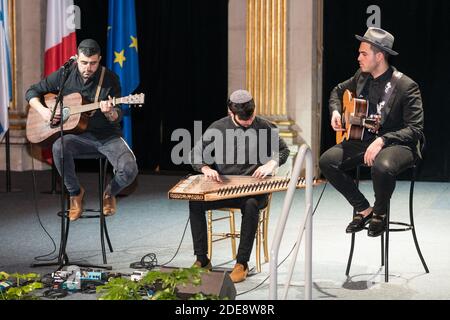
[{"x": 240, "y": 96}]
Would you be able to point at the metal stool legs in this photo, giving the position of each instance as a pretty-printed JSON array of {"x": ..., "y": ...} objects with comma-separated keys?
[
  {"x": 411, "y": 219},
  {"x": 352, "y": 244},
  {"x": 385, "y": 243},
  {"x": 103, "y": 166}
]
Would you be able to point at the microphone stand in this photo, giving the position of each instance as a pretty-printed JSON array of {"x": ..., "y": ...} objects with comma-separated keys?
[
  {"x": 63, "y": 259},
  {"x": 62, "y": 255}
]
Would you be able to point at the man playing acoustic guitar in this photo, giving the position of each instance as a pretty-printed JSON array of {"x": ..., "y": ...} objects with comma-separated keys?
[
  {"x": 395, "y": 99},
  {"x": 103, "y": 134}
]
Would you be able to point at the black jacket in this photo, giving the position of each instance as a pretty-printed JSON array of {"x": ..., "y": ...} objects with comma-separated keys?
[{"x": 402, "y": 118}]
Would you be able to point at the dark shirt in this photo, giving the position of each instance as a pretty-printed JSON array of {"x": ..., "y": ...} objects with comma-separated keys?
[
  {"x": 98, "y": 125},
  {"x": 237, "y": 150},
  {"x": 373, "y": 92}
]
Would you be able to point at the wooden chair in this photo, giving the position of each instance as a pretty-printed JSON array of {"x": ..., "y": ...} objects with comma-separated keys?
[{"x": 261, "y": 232}]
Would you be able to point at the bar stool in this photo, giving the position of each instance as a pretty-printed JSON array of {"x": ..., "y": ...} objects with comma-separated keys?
[
  {"x": 94, "y": 213},
  {"x": 405, "y": 226},
  {"x": 261, "y": 232}
]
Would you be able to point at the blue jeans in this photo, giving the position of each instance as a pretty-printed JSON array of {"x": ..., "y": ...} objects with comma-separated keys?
[{"x": 116, "y": 151}]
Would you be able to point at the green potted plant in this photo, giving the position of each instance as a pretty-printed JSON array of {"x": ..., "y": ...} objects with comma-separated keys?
[
  {"x": 155, "y": 285},
  {"x": 19, "y": 286}
]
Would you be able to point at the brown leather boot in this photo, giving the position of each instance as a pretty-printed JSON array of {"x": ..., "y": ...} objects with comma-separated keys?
[
  {"x": 198, "y": 264},
  {"x": 239, "y": 273},
  {"x": 76, "y": 206},
  {"x": 109, "y": 204}
]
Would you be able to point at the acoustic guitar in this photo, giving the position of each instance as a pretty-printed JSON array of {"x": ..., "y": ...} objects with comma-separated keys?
[
  {"x": 75, "y": 116},
  {"x": 355, "y": 118}
]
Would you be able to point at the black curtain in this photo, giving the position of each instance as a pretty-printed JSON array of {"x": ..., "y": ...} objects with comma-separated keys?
[
  {"x": 183, "y": 57},
  {"x": 422, "y": 33}
]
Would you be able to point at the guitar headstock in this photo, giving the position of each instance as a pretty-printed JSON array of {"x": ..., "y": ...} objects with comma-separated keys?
[{"x": 132, "y": 99}]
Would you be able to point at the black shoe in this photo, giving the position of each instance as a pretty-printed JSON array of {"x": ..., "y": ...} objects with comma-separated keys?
[
  {"x": 358, "y": 223},
  {"x": 377, "y": 226}
]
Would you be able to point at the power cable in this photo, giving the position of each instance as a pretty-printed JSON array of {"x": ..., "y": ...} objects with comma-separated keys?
[{"x": 36, "y": 209}]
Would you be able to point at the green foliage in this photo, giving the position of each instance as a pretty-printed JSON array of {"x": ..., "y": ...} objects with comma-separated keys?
[
  {"x": 3, "y": 275},
  {"x": 120, "y": 289},
  {"x": 201, "y": 296},
  {"x": 24, "y": 285},
  {"x": 162, "y": 285}
]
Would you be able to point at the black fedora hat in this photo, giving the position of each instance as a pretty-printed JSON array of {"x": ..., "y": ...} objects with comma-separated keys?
[{"x": 379, "y": 38}]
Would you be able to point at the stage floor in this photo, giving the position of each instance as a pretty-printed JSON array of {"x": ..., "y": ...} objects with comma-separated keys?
[{"x": 147, "y": 222}]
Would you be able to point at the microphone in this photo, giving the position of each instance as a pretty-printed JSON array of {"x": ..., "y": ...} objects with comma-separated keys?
[{"x": 69, "y": 62}]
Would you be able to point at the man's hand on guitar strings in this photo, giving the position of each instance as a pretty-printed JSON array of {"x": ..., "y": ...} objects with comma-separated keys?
[
  {"x": 336, "y": 121},
  {"x": 107, "y": 106},
  {"x": 46, "y": 114}
]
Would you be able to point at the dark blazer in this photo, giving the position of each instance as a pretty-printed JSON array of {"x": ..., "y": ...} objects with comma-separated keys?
[{"x": 402, "y": 118}]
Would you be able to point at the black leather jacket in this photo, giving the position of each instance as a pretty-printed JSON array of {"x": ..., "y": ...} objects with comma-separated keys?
[{"x": 402, "y": 118}]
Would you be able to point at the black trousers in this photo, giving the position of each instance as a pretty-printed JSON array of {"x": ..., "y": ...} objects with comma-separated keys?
[
  {"x": 390, "y": 162},
  {"x": 249, "y": 207}
]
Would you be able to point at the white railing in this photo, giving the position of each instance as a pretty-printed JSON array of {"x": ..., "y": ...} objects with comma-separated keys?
[{"x": 304, "y": 154}]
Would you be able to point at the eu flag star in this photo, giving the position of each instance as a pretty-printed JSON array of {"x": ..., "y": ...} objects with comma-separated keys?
[
  {"x": 134, "y": 43},
  {"x": 120, "y": 57}
]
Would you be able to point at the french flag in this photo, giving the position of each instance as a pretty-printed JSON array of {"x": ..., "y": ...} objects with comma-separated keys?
[
  {"x": 60, "y": 38},
  {"x": 60, "y": 42}
]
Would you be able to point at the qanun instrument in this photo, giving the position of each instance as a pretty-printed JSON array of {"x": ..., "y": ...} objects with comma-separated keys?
[{"x": 200, "y": 188}]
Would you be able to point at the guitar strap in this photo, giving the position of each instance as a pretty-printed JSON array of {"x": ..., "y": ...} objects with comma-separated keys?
[
  {"x": 388, "y": 90},
  {"x": 99, "y": 88}
]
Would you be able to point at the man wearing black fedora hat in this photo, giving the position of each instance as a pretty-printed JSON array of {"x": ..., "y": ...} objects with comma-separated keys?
[{"x": 393, "y": 98}]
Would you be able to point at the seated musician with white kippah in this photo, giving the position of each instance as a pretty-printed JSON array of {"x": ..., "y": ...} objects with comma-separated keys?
[{"x": 242, "y": 144}]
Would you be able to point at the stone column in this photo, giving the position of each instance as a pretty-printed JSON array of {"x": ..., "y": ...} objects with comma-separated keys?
[
  {"x": 237, "y": 30},
  {"x": 28, "y": 45},
  {"x": 275, "y": 52},
  {"x": 304, "y": 71}
]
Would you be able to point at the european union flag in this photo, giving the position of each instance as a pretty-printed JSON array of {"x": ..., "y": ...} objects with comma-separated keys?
[{"x": 123, "y": 53}]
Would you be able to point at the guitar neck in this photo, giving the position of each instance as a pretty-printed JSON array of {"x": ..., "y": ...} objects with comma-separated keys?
[
  {"x": 91, "y": 106},
  {"x": 84, "y": 108}
]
